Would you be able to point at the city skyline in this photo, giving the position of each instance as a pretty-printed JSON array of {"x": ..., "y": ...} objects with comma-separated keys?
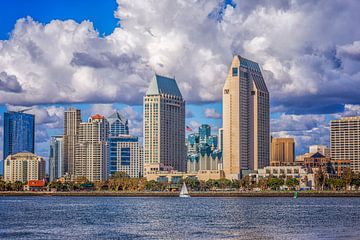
[{"x": 284, "y": 64}]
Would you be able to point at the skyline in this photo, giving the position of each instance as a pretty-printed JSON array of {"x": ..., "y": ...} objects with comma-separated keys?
[{"x": 304, "y": 74}]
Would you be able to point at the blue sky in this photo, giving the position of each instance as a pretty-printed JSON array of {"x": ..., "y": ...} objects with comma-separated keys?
[{"x": 54, "y": 54}]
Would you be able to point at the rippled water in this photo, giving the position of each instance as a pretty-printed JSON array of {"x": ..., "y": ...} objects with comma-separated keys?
[{"x": 178, "y": 218}]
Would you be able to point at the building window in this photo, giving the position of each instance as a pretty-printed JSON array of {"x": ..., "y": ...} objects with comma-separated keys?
[{"x": 235, "y": 72}]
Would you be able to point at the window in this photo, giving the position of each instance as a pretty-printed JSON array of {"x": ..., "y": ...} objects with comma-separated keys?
[{"x": 235, "y": 72}]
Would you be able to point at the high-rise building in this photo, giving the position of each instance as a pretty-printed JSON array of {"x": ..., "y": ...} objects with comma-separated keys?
[
  {"x": 193, "y": 143},
  {"x": 56, "y": 159},
  {"x": 324, "y": 150},
  {"x": 91, "y": 156},
  {"x": 125, "y": 155},
  {"x": 213, "y": 142},
  {"x": 204, "y": 133},
  {"x": 221, "y": 137},
  {"x": 118, "y": 124},
  {"x": 282, "y": 151},
  {"x": 72, "y": 120},
  {"x": 24, "y": 166},
  {"x": 345, "y": 141},
  {"x": 246, "y": 119},
  {"x": 19, "y": 133},
  {"x": 164, "y": 126}
]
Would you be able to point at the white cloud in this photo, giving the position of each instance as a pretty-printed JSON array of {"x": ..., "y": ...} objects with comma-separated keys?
[{"x": 211, "y": 113}]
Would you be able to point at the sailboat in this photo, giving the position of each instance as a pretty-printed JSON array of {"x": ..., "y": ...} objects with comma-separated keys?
[{"x": 184, "y": 192}]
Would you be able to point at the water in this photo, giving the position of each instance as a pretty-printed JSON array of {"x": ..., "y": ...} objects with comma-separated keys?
[{"x": 178, "y": 218}]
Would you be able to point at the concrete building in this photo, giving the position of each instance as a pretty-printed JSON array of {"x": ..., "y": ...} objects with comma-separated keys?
[
  {"x": 72, "y": 120},
  {"x": 345, "y": 141},
  {"x": 125, "y": 155},
  {"x": 24, "y": 167},
  {"x": 19, "y": 133},
  {"x": 282, "y": 151},
  {"x": 91, "y": 156},
  {"x": 175, "y": 177},
  {"x": 205, "y": 159},
  {"x": 220, "y": 139},
  {"x": 246, "y": 119},
  {"x": 164, "y": 126},
  {"x": 324, "y": 150},
  {"x": 301, "y": 173},
  {"x": 56, "y": 159}
]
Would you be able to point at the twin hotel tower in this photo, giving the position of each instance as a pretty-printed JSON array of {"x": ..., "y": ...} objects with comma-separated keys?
[{"x": 102, "y": 146}]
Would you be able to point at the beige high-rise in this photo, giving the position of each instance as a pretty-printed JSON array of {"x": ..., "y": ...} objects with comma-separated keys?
[
  {"x": 92, "y": 149},
  {"x": 282, "y": 151},
  {"x": 345, "y": 141},
  {"x": 72, "y": 119},
  {"x": 23, "y": 167},
  {"x": 246, "y": 119},
  {"x": 164, "y": 126}
]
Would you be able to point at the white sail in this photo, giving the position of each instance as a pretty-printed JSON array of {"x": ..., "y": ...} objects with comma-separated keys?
[{"x": 184, "y": 192}]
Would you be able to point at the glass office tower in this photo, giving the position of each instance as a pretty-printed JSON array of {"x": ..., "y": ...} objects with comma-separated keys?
[{"x": 19, "y": 133}]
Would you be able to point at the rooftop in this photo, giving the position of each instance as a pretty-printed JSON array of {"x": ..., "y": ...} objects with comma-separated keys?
[{"x": 163, "y": 85}]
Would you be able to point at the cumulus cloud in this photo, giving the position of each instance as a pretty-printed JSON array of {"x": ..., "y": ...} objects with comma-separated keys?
[
  {"x": 9, "y": 83},
  {"x": 305, "y": 129},
  {"x": 211, "y": 113},
  {"x": 302, "y": 58}
]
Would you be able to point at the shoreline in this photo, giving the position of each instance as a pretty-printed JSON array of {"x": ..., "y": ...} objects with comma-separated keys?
[{"x": 193, "y": 194}]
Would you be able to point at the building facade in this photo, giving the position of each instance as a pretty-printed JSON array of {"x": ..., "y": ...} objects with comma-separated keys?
[
  {"x": 246, "y": 119},
  {"x": 204, "y": 133},
  {"x": 56, "y": 159},
  {"x": 164, "y": 126},
  {"x": 220, "y": 139},
  {"x": 24, "y": 167},
  {"x": 324, "y": 150},
  {"x": 118, "y": 124},
  {"x": 19, "y": 133},
  {"x": 72, "y": 120},
  {"x": 282, "y": 151},
  {"x": 345, "y": 141},
  {"x": 91, "y": 156},
  {"x": 125, "y": 155}
]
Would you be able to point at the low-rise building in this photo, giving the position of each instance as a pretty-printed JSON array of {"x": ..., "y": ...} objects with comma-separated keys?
[
  {"x": 35, "y": 185},
  {"x": 23, "y": 167},
  {"x": 175, "y": 176}
]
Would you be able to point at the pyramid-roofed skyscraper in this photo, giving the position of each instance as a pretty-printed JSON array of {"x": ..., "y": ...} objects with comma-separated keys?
[{"x": 164, "y": 126}]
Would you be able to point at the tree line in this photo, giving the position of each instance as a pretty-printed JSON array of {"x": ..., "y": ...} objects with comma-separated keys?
[{"x": 120, "y": 181}]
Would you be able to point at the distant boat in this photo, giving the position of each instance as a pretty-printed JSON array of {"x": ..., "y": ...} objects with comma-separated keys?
[
  {"x": 296, "y": 194},
  {"x": 184, "y": 192}
]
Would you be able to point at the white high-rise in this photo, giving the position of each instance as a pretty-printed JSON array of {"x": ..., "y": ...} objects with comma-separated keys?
[
  {"x": 246, "y": 119},
  {"x": 164, "y": 126},
  {"x": 91, "y": 156}
]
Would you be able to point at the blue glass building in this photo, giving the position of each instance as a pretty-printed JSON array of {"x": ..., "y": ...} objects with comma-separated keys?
[
  {"x": 118, "y": 124},
  {"x": 125, "y": 155},
  {"x": 204, "y": 132},
  {"x": 19, "y": 133}
]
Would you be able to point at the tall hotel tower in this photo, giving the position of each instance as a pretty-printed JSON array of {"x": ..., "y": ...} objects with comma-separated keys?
[
  {"x": 72, "y": 121},
  {"x": 246, "y": 139},
  {"x": 164, "y": 126},
  {"x": 345, "y": 141}
]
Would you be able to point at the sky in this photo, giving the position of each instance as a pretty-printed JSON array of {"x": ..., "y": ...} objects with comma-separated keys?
[{"x": 100, "y": 56}]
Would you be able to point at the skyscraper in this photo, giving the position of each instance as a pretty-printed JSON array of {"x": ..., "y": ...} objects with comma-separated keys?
[
  {"x": 72, "y": 119},
  {"x": 204, "y": 133},
  {"x": 118, "y": 124},
  {"x": 221, "y": 137},
  {"x": 19, "y": 133},
  {"x": 56, "y": 159},
  {"x": 92, "y": 149},
  {"x": 164, "y": 126},
  {"x": 246, "y": 119},
  {"x": 345, "y": 141},
  {"x": 282, "y": 151}
]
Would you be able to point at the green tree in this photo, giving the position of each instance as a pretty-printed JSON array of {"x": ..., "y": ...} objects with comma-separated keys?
[
  {"x": 2, "y": 185},
  {"x": 192, "y": 183},
  {"x": 348, "y": 176},
  {"x": 275, "y": 183},
  {"x": 292, "y": 183},
  {"x": 263, "y": 183},
  {"x": 320, "y": 178},
  {"x": 355, "y": 181},
  {"x": 17, "y": 186}
]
